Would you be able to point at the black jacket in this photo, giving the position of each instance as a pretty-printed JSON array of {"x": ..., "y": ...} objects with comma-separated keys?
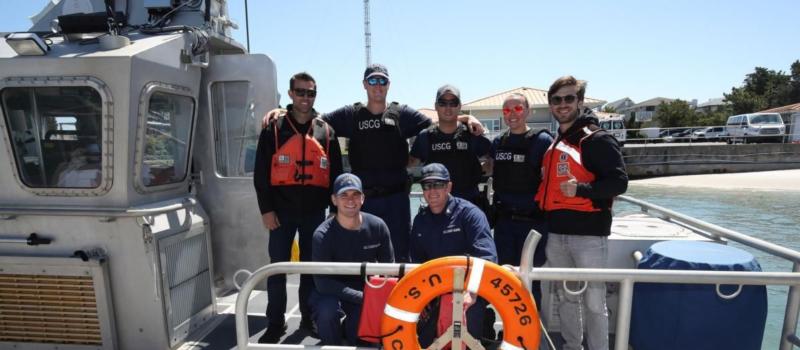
[{"x": 601, "y": 156}]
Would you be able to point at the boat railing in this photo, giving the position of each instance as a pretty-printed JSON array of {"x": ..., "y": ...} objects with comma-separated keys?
[
  {"x": 625, "y": 277},
  {"x": 788, "y": 336},
  {"x": 151, "y": 209}
]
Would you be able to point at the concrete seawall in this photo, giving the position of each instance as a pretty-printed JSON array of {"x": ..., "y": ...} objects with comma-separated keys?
[{"x": 663, "y": 160}]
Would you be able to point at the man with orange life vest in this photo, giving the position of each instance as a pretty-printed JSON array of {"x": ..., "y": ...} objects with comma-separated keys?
[
  {"x": 582, "y": 173},
  {"x": 298, "y": 157},
  {"x": 378, "y": 151}
]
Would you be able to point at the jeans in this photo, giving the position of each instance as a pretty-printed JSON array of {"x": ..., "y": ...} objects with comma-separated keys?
[
  {"x": 328, "y": 310},
  {"x": 280, "y": 249},
  {"x": 395, "y": 210},
  {"x": 509, "y": 237},
  {"x": 583, "y": 252}
]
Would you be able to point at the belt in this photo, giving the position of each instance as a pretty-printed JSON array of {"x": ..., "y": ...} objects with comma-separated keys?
[
  {"x": 520, "y": 214},
  {"x": 382, "y": 191}
]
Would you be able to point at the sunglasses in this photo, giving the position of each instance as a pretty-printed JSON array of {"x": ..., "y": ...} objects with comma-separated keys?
[
  {"x": 305, "y": 92},
  {"x": 434, "y": 185},
  {"x": 448, "y": 103},
  {"x": 377, "y": 81},
  {"x": 516, "y": 109},
  {"x": 556, "y": 100}
]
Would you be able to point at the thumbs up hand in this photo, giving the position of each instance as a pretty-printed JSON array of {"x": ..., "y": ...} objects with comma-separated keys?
[{"x": 569, "y": 187}]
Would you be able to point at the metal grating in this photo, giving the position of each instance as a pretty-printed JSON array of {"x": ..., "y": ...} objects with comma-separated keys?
[
  {"x": 49, "y": 309},
  {"x": 189, "y": 298},
  {"x": 187, "y": 280}
]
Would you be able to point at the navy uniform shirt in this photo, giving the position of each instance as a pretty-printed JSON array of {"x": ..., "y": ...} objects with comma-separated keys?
[
  {"x": 334, "y": 243},
  {"x": 479, "y": 147},
  {"x": 536, "y": 149},
  {"x": 461, "y": 229},
  {"x": 344, "y": 122}
]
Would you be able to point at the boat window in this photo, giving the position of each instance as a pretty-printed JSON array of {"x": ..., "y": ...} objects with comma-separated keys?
[
  {"x": 605, "y": 125},
  {"x": 55, "y": 134},
  {"x": 236, "y": 128},
  {"x": 618, "y": 125},
  {"x": 168, "y": 131}
]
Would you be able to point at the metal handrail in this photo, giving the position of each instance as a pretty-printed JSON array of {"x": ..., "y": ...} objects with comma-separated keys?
[
  {"x": 771, "y": 248},
  {"x": 148, "y": 210},
  {"x": 627, "y": 278}
]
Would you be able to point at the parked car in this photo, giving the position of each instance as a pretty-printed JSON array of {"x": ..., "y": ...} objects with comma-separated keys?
[
  {"x": 615, "y": 126},
  {"x": 711, "y": 133},
  {"x": 755, "y": 127},
  {"x": 676, "y": 134}
]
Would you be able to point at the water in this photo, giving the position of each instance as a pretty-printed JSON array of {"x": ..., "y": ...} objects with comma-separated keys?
[{"x": 769, "y": 215}]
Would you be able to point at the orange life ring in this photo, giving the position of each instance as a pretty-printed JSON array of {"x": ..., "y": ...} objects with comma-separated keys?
[{"x": 491, "y": 281}]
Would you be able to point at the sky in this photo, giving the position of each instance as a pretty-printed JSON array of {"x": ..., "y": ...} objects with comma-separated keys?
[{"x": 638, "y": 49}]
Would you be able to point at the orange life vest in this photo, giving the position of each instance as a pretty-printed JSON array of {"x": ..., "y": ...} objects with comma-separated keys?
[
  {"x": 561, "y": 162},
  {"x": 301, "y": 160}
]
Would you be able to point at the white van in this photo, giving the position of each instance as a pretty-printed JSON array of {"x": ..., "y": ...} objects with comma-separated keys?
[
  {"x": 615, "y": 126},
  {"x": 755, "y": 127}
]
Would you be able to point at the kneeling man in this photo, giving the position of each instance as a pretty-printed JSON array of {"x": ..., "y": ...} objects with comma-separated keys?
[{"x": 350, "y": 236}]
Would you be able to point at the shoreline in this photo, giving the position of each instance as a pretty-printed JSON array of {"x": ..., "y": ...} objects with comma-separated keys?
[{"x": 775, "y": 180}]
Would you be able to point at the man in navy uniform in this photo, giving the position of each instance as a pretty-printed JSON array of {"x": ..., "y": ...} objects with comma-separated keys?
[
  {"x": 516, "y": 159},
  {"x": 451, "y": 226},
  {"x": 350, "y": 236},
  {"x": 451, "y": 143}
]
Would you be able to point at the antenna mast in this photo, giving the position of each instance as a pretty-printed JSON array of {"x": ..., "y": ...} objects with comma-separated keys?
[{"x": 367, "y": 34}]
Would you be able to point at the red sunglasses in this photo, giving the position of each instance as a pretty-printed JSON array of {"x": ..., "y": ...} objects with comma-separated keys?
[{"x": 516, "y": 109}]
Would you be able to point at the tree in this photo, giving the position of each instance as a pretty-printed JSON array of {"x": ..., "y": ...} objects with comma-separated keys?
[
  {"x": 675, "y": 113},
  {"x": 766, "y": 88},
  {"x": 609, "y": 109},
  {"x": 795, "y": 81}
]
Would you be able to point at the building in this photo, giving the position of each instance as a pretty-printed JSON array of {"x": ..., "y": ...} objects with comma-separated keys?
[
  {"x": 644, "y": 111},
  {"x": 791, "y": 117},
  {"x": 618, "y": 105},
  {"x": 712, "y": 105},
  {"x": 489, "y": 110}
]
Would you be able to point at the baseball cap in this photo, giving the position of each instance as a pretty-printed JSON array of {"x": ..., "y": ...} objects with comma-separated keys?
[
  {"x": 435, "y": 172},
  {"x": 448, "y": 89},
  {"x": 345, "y": 182},
  {"x": 376, "y": 70}
]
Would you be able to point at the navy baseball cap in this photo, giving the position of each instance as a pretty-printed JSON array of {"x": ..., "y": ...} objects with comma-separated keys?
[
  {"x": 435, "y": 172},
  {"x": 448, "y": 89},
  {"x": 345, "y": 182},
  {"x": 376, "y": 70}
]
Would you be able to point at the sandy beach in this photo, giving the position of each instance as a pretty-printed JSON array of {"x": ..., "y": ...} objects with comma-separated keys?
[{"x": 780, "y": 180}]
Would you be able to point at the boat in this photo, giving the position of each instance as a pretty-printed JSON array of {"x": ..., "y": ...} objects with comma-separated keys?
[{"x": 128, "y": 218}]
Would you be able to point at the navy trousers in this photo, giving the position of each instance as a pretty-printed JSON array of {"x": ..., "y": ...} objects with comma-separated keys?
[
  {"x": 280, "y": 248},
  {"x": 395, "y": 210},
  {"x": 328, "y": 311},
  {"x": 509, "y": 237}
]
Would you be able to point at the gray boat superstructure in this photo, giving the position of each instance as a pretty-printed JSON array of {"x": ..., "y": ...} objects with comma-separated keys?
[{"x": 114, "y": 156}]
